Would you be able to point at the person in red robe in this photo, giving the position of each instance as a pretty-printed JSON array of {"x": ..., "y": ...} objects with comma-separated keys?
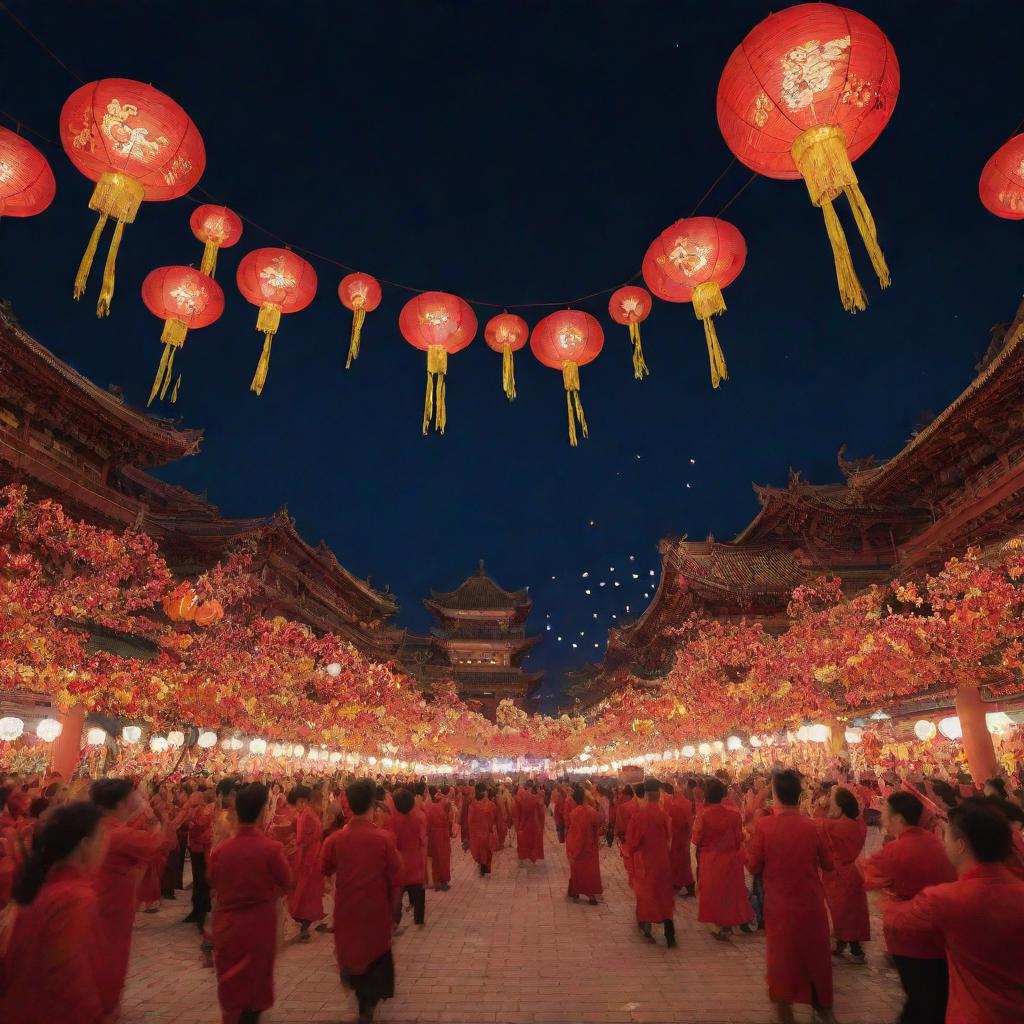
[
  {"x": 647, "y": 841},
  {"x": 465, "y": 799},
  {"x": 410, "y": 827},
  {"x": 721, "y": 887},
  {"x": 847, "y": 901},
  {"x": 50, "y": 972},
  {"x": 248, "y": 874},
  {"x": 627, "y": 807},
  {"x": 581, "y": 847},
  {"x": 439, "y": 840},
  {"x": 789, "y": 850},
  {"x": 530, "y": 824},
  {"x": 306, "y": 900},
  {"x": 128, "y": 851},
  {"x": 365, "y": 860},
  {"x": 560, "y": 811},
  {"x": 483, "y": 829},
  {"x": 680, "y": 812},
  {"x": 980, "y": 917},
  {"x": 199, "y": 814},
  {"x": 914, "y": 860}
]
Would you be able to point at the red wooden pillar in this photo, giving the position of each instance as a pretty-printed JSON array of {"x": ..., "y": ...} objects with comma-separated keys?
[
  {"x": 981, "y": 753},
  {"x": 66, "y": 749}
]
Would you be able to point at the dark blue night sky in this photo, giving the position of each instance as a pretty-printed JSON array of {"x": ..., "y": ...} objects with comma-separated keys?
[{"x": 514, "y": 153}]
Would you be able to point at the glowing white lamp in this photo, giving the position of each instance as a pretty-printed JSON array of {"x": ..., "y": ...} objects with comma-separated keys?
[
  {"x": 49, "y": 729},
  {"x": 704, "y": 749},
  {"x": 207, "y": 738},
  {"x": 818, "y": 733},
  {"x": 11, "y": 728},
  {"x": 755, "y": 741},
  {"x": 95, "y": 737},
  {"x": 176, "y": 739},
  {"x": 688, "y": 750},
  {"x": 334, "y": 670},
  {"x": 924, "y": 730},
  {"x": 131, "y": 734},
  {"x": 999, "y": 723},
  {"x": 257, "y": 747},
  {"x": 854, "y": 735},
  {"x": 158, "y": 744},
  {"x": 951, "y": 728},
  {"x": 734, "y": 743}
]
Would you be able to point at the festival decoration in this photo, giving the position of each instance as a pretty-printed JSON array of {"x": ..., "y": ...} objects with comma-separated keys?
[
  {"x": 96, "y": 737},
  {"x": 207, "y": 613},
  {"x": 566, "y": 340},
  {"x": 217, "y": 228},
  {"x": 631, "y": 306},
  {"x": 185, "y": 300},
  {"x": 441, "y": 325},
  {"x": 27, "y": 186},
  {"x": 507, "y": 333},
  {"x": 131, "y": 734},
  {"x": 806, "y": 93},
  {"x": 137, "y": 145},
  {"x": 11, "y": 728},
  {"x": 360, "y": 293},
  {"x": 206, "y": 739},
  {"x": 278, "y": 282},
  {"x": 181, "y": 603},
  {"x": 48, "y": 729},
  {"x": 692, "y": 261},
  {"x": 1002, "y": 180}
]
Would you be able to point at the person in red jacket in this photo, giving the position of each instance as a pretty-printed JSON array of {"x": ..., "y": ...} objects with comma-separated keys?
[
  {"x": 439, "y": 840},
  {"x": 368, "y": 867},
  {"x": 249, "y": 874},
  {"x": 680, "y": 812},
  {"x": 789, "y": 849},
  {"x": 980, "y": 917},
  {"x": 483, "y": 829},
  {"x": 410, "y": 827},
  {"x": 306, "y": 900},
  {"x": 581, "y": 847},
  {"x": 647, "y": 843},
  {"x": 914, "y": 860},
  {"x": 845, "y": 831}
]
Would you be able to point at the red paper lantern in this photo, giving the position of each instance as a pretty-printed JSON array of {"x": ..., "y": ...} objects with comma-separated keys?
[
  {"x": 507, "y": 333},
  {"x": 361, "y": 293},
  {"x": 441, "y": 325},
  {"x": 807, "y": 92},
  {"x": 278, "y": 282},
  {"x": 26, "y": 181},
  {"x": 137, "y": 144},
  {"x": 181, "y": 603},
  {"x": 217, "y": 228},
  {"x": 185, "y": 299},
  {"x": 1002, "y": 180},
  {"x": 565, "y": 341},
  {"x": 692, "y": 261},
  {"x": 208, "y": 613},
  {"x": 631, "y": 306}
]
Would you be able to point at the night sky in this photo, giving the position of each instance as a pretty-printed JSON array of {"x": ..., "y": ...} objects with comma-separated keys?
[{"x": 519, "y": 153}]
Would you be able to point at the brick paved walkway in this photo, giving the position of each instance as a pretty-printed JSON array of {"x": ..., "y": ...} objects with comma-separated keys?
[{"x": 509, "y": 950}]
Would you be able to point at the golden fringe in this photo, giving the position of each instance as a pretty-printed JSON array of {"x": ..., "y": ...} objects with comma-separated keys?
[
  {"x": 719, "y": 371},
  {"x": 571, "y": 380},
  {"x": 161, "y": 370},
  {"x": 851, "y": 291},
  {"x": 118, "y": 195},
  {"x": 173, "y": 337},
  {"x": 640, "y": 369},
  {"x": 107, "y": 287},
  {"x": 263, "y": 366},
  {"x": 866, "y": 227},
  {"x": 167, "y": 375},
  {"x": 358, "y": 316},
  {"x": 209, "y": 263},
  {"x": 508, "y": 372},
  {"x": 177, "y": 388},
  {"x": 708, "y": 300},
  {"x": 434, "y": 406},
  {"x": 82, "y": 277}
]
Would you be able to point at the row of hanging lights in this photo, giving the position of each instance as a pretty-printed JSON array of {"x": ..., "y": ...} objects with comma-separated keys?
[{"x": 803, "y": 96}]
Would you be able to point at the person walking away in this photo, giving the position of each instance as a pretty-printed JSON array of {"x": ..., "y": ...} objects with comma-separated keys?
[
  {"x": 581, "y": 847},
  {"x": 306, "y": 900},
  {"x": 847, "y": 901},
  {"x": 680, "y": 812},
  {"x": 483, "y": 829},
  {"x": 439, "y": 841},
  {"x": 530, "y": 824},
  {"x": 411, "y": 840},
  {"x": 647, "y": 843}
]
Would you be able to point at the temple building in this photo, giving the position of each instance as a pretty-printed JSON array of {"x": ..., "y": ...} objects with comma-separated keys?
[{"x": 959, "y": 481}]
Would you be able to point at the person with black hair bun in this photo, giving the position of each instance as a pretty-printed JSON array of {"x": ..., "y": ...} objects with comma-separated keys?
[
  {"x": 581, "y": 847},
  {"x": 847, "y": 901},
  {"x": 51, "y": 967},
  {"x": 411, "y": 839},
  {"x": 439, "y": 839},
  {"x": 530, "y": 816},
  {"x": 1015, "y": 816}
]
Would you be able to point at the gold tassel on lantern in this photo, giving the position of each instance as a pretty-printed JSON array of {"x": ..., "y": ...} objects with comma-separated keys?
[
  {"x": 208, "y": 265},
  {"x": 821, "y": 157},
  {"x": 640, "y": 369},
  {"x": 709, "y": 302},
  {"x": 177, "y": 388},
  {"x": 358, "y": 316},
  {"x": 434, "y": 407},
  {"x": 119, "y": 196},
  {"x": 268, "y": 322},
  {"x": 571, "y": 379},
  {"x": 508, "y": 372},
  {"x": 173, "y": 337}
]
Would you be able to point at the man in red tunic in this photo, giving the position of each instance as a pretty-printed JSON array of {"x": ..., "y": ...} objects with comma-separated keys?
[
  {"x": 647, "y": 843},
  {"x": 249, "y": 873},
  {"x": 530, "y": 824},
  {"x": 411, "y": 839},
  {"x": 722, "y": 889},
  {"x": 581, "y": 847},
  {"x": 914, "y": 860},
  {"x": 680, "y": 812},
  {"x": 368, "y": 868},
  {"x": 306, "y": 901},
  {"x": 439, "y": 840},
  {"x": 980, "y": 917},
  {"x": 483, "y": 829},
  {"x": 845, "y": 832}
]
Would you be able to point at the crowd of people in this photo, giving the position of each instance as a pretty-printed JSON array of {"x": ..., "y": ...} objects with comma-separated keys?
[{"x": 78, "y": 860}]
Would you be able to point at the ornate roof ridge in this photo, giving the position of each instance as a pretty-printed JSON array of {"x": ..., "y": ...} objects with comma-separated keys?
[{"x": 479, "y": 592}]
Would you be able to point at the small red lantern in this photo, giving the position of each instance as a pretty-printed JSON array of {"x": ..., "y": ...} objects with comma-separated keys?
[
  {"x": 441, "y": 325},
  {"x": 507, "y": 333},
  {"x": 208, "y": 613},
  {"x": 565, "y": 341},
  {"x": 692, "y": 261},
  {"x": 278, "y": 282},
  {"x": 137, "y": 145},
  {"x": 361, "y": 293},
  {"x": 185, "y": 299},
  {"x": 808, "y": 91},
  {"x": 181, "y": 603},
  {"x": 217, "y": 228},
  {"x": 26, "y": 181},
  {"x": 1002, "y": 180},
  {"x": 631, "y": 306}
]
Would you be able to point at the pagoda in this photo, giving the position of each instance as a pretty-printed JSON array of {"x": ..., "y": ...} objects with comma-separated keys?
[{"x": 479, "y": 644}]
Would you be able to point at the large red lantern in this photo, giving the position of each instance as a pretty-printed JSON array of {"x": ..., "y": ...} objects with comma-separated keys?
[
  {"x": 631, "y": 306},
  {"x": 1002, "y": 180},
  {"x": 26, "y": 181},
  {"x": 441, "y": 325},
  {"x": 692, "y": 261},
  {"x": 217, "y": 228},
  {"x": 360, "y": 293},
  {"x": 185, "y": 299},
  {"x": 137, "y": 145},
  {"x": 565, "y": 341},
  {"x": 807, "y": 92},
  {"x": 507, "y": 333},
  {"x": 278, "y": 282}
]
